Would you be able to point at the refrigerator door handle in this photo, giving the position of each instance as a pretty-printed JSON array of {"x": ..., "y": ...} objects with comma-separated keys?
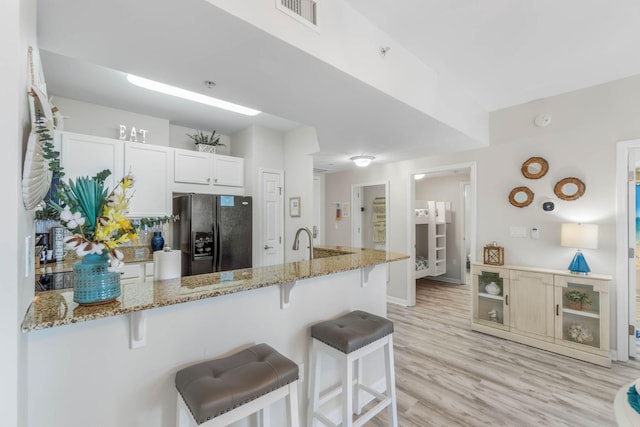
[{"x": 218, "y": 248}]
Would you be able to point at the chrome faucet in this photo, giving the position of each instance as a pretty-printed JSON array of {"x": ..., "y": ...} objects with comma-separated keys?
[{"x": 296, "y": 241}]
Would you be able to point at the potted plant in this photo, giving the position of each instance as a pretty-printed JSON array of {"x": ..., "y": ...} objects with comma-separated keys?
[
  {"x": 576, "y": 298},
  {"x": 206, "y": 142}
]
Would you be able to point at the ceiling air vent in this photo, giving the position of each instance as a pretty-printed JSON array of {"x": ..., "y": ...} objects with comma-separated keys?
[{"x": 303, "y": 10}]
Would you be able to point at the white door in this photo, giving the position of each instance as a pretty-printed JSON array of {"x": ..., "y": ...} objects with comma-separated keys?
[{"x": 272, "y": 217}]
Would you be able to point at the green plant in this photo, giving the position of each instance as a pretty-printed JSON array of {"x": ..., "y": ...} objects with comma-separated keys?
[
  {"x": 577, "y": 296},
  {"x": 53, "y": 156},
  {"x": 203, "y": 138}
]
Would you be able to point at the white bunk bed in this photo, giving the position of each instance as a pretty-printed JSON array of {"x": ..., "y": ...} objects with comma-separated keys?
[{"x": 430, "y": 223}]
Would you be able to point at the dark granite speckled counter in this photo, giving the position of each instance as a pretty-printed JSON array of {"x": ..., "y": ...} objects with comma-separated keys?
[{"x": 51, "y": 309}]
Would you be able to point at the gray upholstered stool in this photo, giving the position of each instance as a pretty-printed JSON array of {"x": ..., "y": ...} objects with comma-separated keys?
[
  {"x": 349, "y": 338},
  {"x": 222, "y": 391}
]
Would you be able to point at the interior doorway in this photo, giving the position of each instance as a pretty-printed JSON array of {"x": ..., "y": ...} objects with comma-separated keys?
[
  {"x": 369, "y": 213},
  {"x": 455, "y": 186}
]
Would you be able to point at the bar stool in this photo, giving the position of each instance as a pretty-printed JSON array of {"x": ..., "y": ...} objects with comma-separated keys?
[
  {"x": 222, "y": 391},
  {"x": 349, "y": 338}
]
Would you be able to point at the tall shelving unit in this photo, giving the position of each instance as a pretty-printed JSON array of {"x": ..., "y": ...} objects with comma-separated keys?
[{"x": 431, "y": 237}]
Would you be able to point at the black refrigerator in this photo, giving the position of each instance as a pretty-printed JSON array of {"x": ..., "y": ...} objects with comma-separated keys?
[{"x": 213, "y": 232}]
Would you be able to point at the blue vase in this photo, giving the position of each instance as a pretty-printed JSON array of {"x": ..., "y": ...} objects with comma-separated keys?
[
  {"x": 157, "y": 241},
  {"x": 93, "y": 283}
]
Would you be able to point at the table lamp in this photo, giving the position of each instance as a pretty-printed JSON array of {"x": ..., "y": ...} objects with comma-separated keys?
[{"x": 579, "y": 236}]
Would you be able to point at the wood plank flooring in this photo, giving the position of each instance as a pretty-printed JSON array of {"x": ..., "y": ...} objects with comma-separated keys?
[{"x": 447, "y": 375}]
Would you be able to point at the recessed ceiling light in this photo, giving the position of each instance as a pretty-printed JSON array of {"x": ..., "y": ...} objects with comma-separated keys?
[
  {"x": 362, "y": 161},
  {"x": 191, "y": 96}
]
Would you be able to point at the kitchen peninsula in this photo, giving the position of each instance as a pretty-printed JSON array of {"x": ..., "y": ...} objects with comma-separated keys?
[{"x": 83, "y": 369}]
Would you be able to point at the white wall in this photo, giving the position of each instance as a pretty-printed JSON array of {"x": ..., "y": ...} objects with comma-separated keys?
[
  {"x": 299, "y": 144},
  {"x": 178, "y": 139},
  {"x": 580, "y": 142},
  {"x": 17, "y": 32},
  {"x": 447, "y": 188},
  {"x": 98, "y": 120},
  {"x": 349, "y": 42}
]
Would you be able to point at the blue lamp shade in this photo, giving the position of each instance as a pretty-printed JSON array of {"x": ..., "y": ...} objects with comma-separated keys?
[{"x": 579, "y": 236}]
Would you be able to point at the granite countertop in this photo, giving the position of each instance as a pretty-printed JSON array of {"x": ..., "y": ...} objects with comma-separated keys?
[{"x": 50, "y": 309}]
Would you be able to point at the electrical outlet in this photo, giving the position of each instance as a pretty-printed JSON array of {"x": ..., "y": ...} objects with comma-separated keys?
[
  {"x": 518, "y": 231},
  {"x": 301, "y": 372}
]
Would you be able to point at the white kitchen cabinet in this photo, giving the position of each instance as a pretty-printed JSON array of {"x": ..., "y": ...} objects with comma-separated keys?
[
  {"x": 150, "y": 165},
  {"x": 192, "y": 167},
  {"x": 228, "y": 171},
  {"x": 207, "y": 173},
  {"x": 84, "y": 155},
  {"x": 529, "y": 305}
]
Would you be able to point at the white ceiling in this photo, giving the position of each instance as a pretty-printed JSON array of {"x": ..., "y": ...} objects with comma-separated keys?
[
  {"x": 507, "y": 52},
  {"x": 502, "y": 52}
]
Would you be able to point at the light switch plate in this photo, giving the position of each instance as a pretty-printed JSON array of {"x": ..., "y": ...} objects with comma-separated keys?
[
  {"x": 518, "y": 231},
  {"x": 29, "y": 262},
  {"x": 535, "y": 233}
]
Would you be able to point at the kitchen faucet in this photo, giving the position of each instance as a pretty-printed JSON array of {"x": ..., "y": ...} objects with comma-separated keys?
[{"x": 296, "y": 241}]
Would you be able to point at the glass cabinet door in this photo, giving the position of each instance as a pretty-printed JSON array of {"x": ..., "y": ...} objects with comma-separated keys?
[
  {"x": 580, "y": 321},
  {"x": 491, "y": 293}
]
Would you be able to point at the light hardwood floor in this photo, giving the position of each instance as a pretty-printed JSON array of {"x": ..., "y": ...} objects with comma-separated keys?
[{"x": 447, "y": 375}]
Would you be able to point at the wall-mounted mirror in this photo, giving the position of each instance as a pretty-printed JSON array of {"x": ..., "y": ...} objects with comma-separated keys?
[
  {"x": 535, "y": 168},
  {"x": 521, "y": 197},
  {"x": 569, "y": 189}
]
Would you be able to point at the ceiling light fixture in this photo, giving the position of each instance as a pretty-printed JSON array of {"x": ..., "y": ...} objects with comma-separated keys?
[
  {"x": 418, "y": 176},
  {"x": 191, "y": 96},
  {"x": 362, "y": 161}
]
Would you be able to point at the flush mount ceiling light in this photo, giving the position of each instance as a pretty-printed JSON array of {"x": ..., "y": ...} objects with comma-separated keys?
[
  {"x": 191, "y": 96},
  {"x": 418, "y": 176},
  {"x": 362, "y": 161}
]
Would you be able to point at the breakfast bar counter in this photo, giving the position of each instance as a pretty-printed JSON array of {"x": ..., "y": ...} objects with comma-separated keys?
[
  {"x": 56, "y": 308},
  {"x": 114, "y": 364}
]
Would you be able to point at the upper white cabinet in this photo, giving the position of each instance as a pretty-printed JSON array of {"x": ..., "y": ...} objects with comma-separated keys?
[
  {"x": 150, "y": 165},
  {"x": 228, "y": 171},
  {"x": 196, "y": 172},
  {"x": 192, "y": 167},
  {"x": 84, "y": 155}
]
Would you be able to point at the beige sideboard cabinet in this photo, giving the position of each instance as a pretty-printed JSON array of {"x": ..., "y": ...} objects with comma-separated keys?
[{"x": 530, "y": 305}]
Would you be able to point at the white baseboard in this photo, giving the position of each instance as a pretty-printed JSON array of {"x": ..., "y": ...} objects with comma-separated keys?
[{"x": 397, "y": 301}]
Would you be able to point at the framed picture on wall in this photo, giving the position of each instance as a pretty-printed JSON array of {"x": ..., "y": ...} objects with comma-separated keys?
[{"x": 294, "y": 206}]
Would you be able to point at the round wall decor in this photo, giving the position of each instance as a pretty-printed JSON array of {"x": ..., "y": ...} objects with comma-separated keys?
[
  {"x": 521, "y": 197},
  {"x": 535, "y": 168},
  {"x": 569, "y": 189}
]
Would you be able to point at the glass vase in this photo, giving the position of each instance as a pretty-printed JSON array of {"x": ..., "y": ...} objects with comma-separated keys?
[{"x": 93, "y": 283}]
